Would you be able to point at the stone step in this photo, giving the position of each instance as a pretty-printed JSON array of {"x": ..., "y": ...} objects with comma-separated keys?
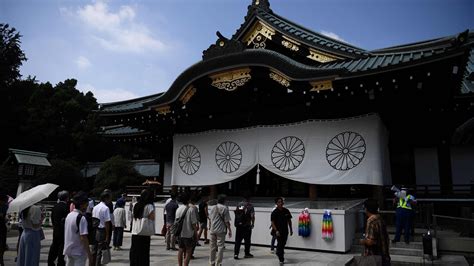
[
  {"x": 401, "y": 244},
  {"x": 402, "y": 260},
  {"x": 393, "y": 251},
  {"x": 415, "y": 238}
]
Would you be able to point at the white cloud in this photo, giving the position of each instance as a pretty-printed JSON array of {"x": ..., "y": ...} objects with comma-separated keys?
[
  {"x": 108, "y": 95},
  {"x": 117, "y": 31},
  {"x": 82, "y": 62},
  {"x": 333, "y": 35}
]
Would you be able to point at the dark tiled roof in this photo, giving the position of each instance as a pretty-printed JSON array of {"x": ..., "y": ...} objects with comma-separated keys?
[
  {"x": 309, "y": 37},
  {"x": 404, "y": 54},
  {"x": 122, "y": 130},
  {"x": 467, "y": 85},
  {"x": 300, "y": 33},
  {"x": 129, "y": 105},
  {"x": 379, "y": 61}
]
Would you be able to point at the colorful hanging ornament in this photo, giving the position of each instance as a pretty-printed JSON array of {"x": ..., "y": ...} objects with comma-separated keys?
[
  {"x": 304, "y": 223},
  {"x": 327, "y": 231}
]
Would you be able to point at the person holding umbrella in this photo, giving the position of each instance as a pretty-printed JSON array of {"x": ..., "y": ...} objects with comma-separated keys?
[
  {"x": 30, "y": 241},
  {"x": 3, "y": 226},
  {"x": 29, "y": 246}
]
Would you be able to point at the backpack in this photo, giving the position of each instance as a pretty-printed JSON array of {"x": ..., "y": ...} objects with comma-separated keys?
[
  {"x": 242, "y": 216},
  {"x": 177, "y": 226},
  {"x": 92, "y": 225}
]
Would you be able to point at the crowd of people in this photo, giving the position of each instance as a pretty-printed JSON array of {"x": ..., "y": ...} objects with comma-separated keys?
[{"x": 83, "y": 231}]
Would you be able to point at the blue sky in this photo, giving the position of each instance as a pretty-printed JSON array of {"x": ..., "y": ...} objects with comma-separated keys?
[{"x": 121, "y": 50}]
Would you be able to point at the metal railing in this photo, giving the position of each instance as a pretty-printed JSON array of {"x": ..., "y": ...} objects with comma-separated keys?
[
  {"x": 465, "y": 226},
  {"x": 436, "y": 190}
]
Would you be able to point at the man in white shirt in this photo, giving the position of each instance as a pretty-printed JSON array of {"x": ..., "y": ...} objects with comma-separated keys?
[
  {"x": 102, "y": 212},
  {"x": 219, "y": 226},
  {"x": 188, "y": 236},
  {"x": 76, "y": 244}
]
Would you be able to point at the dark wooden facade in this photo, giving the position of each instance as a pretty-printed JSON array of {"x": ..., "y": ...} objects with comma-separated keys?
[{"x": 272, "y": 71}]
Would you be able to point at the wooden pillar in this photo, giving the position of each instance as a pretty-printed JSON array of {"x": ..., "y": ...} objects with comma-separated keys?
[
  {"x": 174, "y": 189},
  {"x": 444, "y": 166},
  {"x": 312, "y": 192},
  {"x": 377, "y": 194},
  {"x": 161, "y": 175},
  {"x": 213, "y": 192}
]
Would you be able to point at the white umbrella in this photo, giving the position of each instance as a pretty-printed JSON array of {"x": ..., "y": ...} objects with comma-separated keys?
[{"x": 31, "y": 196}]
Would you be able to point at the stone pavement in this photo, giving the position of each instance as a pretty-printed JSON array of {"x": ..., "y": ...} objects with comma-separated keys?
[{"x": 160, "y": 256}]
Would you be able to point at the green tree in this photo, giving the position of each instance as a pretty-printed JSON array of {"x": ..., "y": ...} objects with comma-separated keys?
[
  {"x": 58, "y": 118},
  {"x": 65, "y": 173},
  {"x": 116, "y": 173},
  {"x": 11, "y": 55}
]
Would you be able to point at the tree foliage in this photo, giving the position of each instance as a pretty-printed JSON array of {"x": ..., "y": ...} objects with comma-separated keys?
[
  {"x": 64, "y": 173},
  {"x": 11, "y": 55},
  {"x": 116, "y": 173}
]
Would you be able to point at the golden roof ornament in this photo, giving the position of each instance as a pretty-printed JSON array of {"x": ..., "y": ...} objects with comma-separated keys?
[
  {"x": 263, "y": 4},
  {"x": 223, "y": 46}
]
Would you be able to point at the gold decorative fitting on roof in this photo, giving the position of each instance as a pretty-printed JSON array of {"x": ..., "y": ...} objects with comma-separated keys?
[
  {"x": 321, "y": 85},
  {"x": 280, "y": 79},
  {"x": 163, "y": 110},
  {"x": 231, "y": 80},
  {"x": 290, "y": 44},
  {"x": 190, "y": 91},
  {"x": 258, "y": 34},
  {"x": 320, "y": 56}
]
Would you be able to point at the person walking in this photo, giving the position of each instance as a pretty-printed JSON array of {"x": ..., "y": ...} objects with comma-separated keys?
[
  {"x": 244, "y": 223},
  {"x": 203, "y": 218},
  {"x": 272, "y": 242},
  {"x": 102, "y": 237},
  {"x": 219, "y": 225},
  {"x": 3, "y": 226},
  {"x": 281, "y": 222},
  {"x": 110, "y": 205},
  {"x": 188, "y": 235},
  {"x": 170, "y": 209},
  {"x": 120, "y": 223},
  {"x": 76, "y": 242},
  {"x": 58, "y": 216},
  {"x": 403, "y": 215},
  {"x": 30, "y": 241},
  {"x": 140, "y": 247},
  {"x": 376, "y": 241}
]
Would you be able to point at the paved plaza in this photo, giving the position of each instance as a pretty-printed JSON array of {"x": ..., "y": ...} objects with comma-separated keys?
[{"x": 160, "y": 256}]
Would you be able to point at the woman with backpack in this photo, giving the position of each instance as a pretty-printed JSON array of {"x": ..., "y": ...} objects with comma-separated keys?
[{"x": 142, "y": 229}]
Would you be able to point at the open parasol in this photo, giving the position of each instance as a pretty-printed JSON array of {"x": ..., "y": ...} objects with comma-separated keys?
[{"x": 31, "y": 196}]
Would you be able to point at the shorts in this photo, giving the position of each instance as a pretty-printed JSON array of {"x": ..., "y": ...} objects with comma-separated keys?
[
  {"x": 203, "y": 225},
  {"x": 186, "y": 243},
  {"x": 3, "y": 236}
]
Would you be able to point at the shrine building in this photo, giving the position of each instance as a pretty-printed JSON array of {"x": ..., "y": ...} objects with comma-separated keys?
[{"x": 279, "y": 109}]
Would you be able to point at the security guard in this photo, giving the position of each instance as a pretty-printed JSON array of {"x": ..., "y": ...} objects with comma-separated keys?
[{"x": 404, "y": 214}]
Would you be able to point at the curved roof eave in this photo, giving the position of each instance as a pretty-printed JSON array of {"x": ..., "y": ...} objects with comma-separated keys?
[
  {"x": 310, "y": 38},
  {"x": 247, "y": 58},
  {"x": 131, "y": 104},
  {"x": 437, "y": 43}
]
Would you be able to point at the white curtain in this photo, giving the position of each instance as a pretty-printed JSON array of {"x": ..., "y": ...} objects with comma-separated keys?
[{"x": 343, "y": 151}]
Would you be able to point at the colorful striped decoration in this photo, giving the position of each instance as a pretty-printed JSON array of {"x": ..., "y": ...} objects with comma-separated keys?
[
  {"x": 327, "y": 226},
  {"x": 304, "y": 223}
]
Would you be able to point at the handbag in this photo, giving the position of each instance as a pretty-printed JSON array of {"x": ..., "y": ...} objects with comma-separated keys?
[
  {"x": 372, "y": 260},
  {"x": 272, "y": 232},
  {"x": 106, "y": 258},
  {"x": 163, "y": 230},
  {"x": 178, "y": 224},
  {"x": 146, "y": 227}
]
